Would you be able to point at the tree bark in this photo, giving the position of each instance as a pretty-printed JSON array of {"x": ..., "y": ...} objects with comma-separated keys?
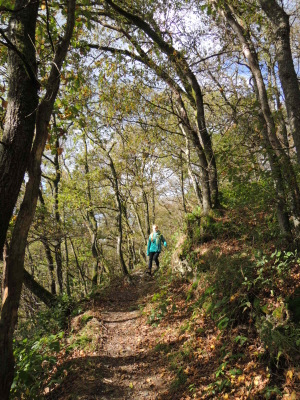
[
  {"x": 287, "y": 74},
  {"x": 46, "y": 245},
  {"x": 79, "y": 267},
  {"x": 38, "y": 290},
  {"x": 58, "y": 255},
  {"x": 153, "y": 201},
  {"x": 115, "y": 185},
  {"x": 191, "y": 173},
  {"x": 21, "y": 109},
  {"x": 192, "y": 137},
  {"x": 67, "y": 266},
  {"x": 182, "y": 183},
  {"x": 50, "y": 264},
  {"x": 282, "y": 129},
  {"x": 147, "y": 214}
]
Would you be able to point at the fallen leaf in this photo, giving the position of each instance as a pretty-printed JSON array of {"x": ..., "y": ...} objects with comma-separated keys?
[{"x": 289, "y": 375}]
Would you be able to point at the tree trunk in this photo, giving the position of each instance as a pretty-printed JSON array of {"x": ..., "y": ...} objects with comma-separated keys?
[
  {"x": 192, "y": 137},
  {"x": 115, "y": 185},
  {"x": 282, "y": 130},
  {"x": 38, "y": 290},
  {"x": 50, "y": 264},
  {"x": 67, "y": 265},
  {"x": 280, "y": 200},
  {"x": 46, "y": 245},
  {"x": 79, "y": 267},
  {"x": 14, "y": 259},
  {"x": 91, "y": 221},
  {"x": 96, "y": 256},
  {"x": 58, "y": 255},
  {"x": 182, "y": 184},
  {"x": 21, "y": 110},
  {"x": 191, "y": 173},
  {"x": 287, "y": 74},
  {"x": 147, "y": 215},
  {"x": 153, "y": 202},
  {"x": 279, "y": 161},
  {"x": 14, "y": 156},
  {"x": 207, "y": 146},
  {"x": 58, "y": 261}
]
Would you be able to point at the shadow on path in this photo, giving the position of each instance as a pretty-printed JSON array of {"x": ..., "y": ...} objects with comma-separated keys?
[{"x": 125, "y": 367}]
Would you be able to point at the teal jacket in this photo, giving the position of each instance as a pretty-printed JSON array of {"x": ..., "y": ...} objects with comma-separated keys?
[{"x": 154, "y": 246}]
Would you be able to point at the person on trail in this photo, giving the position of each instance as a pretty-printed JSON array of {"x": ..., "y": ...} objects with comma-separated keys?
[{"x": 154, "y": 247}]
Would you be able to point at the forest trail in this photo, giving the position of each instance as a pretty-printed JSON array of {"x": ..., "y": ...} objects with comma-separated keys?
[
  {"x": 125, "y": 364},
  {"x": 133, "y": 373},
  {"x": 130, "y": 371}
]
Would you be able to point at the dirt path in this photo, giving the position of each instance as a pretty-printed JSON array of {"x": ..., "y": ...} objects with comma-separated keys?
[
  {"x": 130, "y": 369},
  {"x": 125, "y": 365}
]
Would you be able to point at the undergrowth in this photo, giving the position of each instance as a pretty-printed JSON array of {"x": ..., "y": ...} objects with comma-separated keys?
[
  {"x": 38, "y": 351},
  {"x": 250, "y": 290}
]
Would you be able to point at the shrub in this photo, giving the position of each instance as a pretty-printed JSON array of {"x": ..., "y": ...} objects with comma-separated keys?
[{"x": 34, "y": 360}]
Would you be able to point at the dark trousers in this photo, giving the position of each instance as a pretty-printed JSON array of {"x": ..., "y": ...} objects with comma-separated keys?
[{"x": 153, "y": 256}]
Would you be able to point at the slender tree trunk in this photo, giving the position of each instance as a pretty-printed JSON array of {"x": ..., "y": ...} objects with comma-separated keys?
[
  {"x": 120, "y": 237},
  {"x": 96, "y": 256},
  {"x": 130, "y": 254},
  {"x": 132, "y": 247},
  {"x": 282, "y": 130},
  {"x": 182, "y": 183},
  {"x": 153, "y": 203},
  {"x": 50, "y": 264},
  {"x": 57, "y": 247},
  {"x": 207, "y": 145},
  {"x": 46, "y": 245},
  {"x": 191, "y": 173},
  {"x": 287, "y": 74},
  {"x": 115, "y": 184},
  {"x": 147, "y": 215},
  {"x": 192, "y": 137},
  {"x": 67, "y": 265},
  {"x": 280, "y": 201},
  {"x": 30, "y": 259},
  {"x": 79, "y": 267},
  {"x": 58, "y": 261},
  {"x": 92, "y": 222},
  {"x": 38, "y": 290}
]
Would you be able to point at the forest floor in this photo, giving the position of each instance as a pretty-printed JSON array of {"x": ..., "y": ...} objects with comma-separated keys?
[{"x": 144, "y": 340}]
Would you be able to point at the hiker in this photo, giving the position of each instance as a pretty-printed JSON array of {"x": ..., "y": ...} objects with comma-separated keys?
[{"x": 154, "y": 247}]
